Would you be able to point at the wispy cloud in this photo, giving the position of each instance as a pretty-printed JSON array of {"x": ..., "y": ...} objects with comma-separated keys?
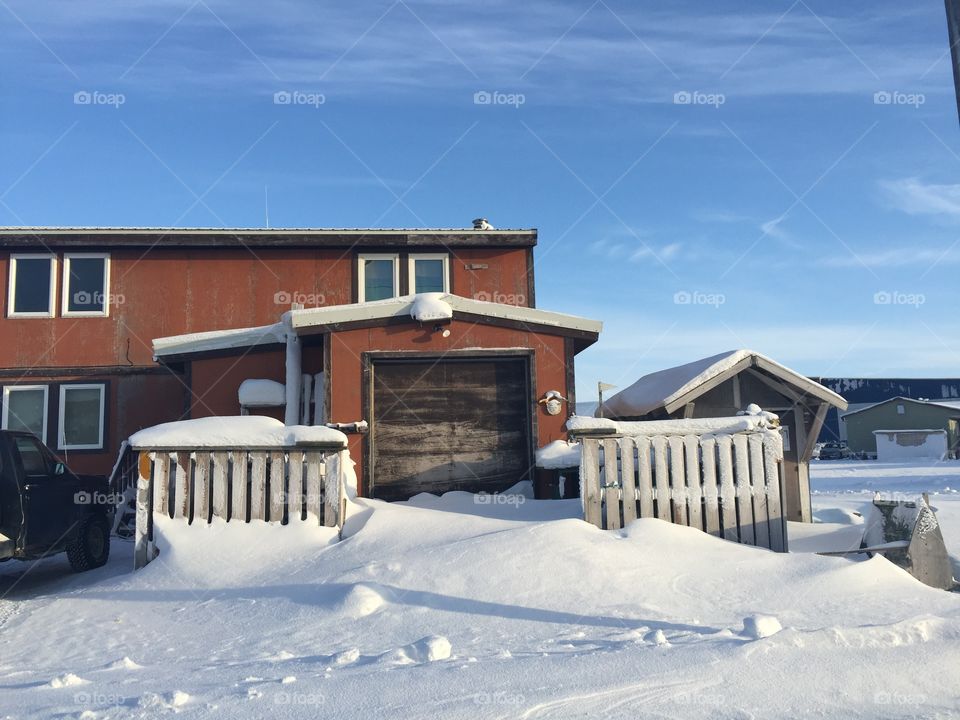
[
  {"x": 904, "y": 256},
  {"x": 916, "y": 197}
]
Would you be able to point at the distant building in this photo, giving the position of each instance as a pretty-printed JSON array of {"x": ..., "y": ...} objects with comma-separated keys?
[{"x": 902, "y": 426}]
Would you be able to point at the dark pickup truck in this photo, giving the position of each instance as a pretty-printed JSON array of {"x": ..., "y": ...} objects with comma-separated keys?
[{"x": 46, "y": 509}]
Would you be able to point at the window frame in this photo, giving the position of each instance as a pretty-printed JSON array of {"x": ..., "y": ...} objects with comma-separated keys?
[
  {"x": 65, "y": 310},
  {"x": 5, "y": 420},
  {"x": 12, "y": 285},
  {"x": 412, "y": 267},
  {"x": 361, "y": 277},
  {"x": 61, "y": 415}
]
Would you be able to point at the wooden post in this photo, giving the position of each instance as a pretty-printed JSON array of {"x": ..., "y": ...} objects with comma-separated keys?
[
  {"x": 611, "y": 482},
  {"x": 161, "y": 482},
  {"x": 772, "y": 459},
  {"x": 201, "y": 492},
  {"x": 662, "y": 478},
  {"x": 314, "y": 485},
  {"x": 238, "y": 485},
  {"x": 628, "y": 480},
  {"x": 803, "y": 468},
  {"x": 644, "y": 477},
  {"x": 691, "y": 447},
  {"x": 590, "y": 481},
  {"x": 258, "y": 485},
  {"x": 220, "y": 490},
  {"x": 142, "y": 552},
  {"x": 678, "y": 481},
  {"x": 758, "y": 491},
  {"x": 728, "y": 491},
  {"x": 295, "y": 491},
  {"x": 278, "y": 489},
  {"x": 711, "y": 504},
  {"x": 181, "y": 507},
  {"x": 331, "y": 505},
  {"x": 741, "y": 467}
]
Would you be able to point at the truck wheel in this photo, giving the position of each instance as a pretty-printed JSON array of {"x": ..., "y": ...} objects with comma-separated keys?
[{"x": 90, "y": 548}]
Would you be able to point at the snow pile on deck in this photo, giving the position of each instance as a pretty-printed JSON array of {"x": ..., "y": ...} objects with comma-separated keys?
[
  {"x": 691, "y": 426},
  {"x": 429, "y": 307},
  {"x": 559, "y": 454},
  {"x": 234, "y": 431},
  {"x": 257, "y": 392}
]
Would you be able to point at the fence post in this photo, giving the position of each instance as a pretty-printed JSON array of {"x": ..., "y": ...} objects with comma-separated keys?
[
  {"x": 143, "y": 544},
  {"x": 590, "y": 481}
]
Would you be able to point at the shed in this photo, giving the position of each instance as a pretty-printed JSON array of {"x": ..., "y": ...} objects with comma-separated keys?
[
  {"x": 724, "y": 384},
  {"x": 906, "y": 414}
]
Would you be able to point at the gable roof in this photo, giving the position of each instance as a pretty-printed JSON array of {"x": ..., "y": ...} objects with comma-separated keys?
[
  {"x": 378, "y": 312},
  {"x": 672, "y": 388},
  {"x": 949, "y": 404}
]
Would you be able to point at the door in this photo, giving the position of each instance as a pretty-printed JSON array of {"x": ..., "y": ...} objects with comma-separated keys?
[
  {"x": 48, "y": 499},
  {"x": 451, "y": 424}
]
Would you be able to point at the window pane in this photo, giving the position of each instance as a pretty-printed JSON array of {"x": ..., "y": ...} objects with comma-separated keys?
[
  {"x": 81, "y": 416},
  {"x": 25, "y": 411},
  {"x": 86, "y": 290},
  {"x": 378, "y": 279},
  {"x": 32, "y": 457},
  {"x": 32, "y": 285},
  {"x": 428, "y": 275}
]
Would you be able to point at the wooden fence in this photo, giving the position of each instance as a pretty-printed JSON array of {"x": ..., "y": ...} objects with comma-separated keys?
[
  {"x": 726, "y": 485},
  {"x": 273, "y": 484}
]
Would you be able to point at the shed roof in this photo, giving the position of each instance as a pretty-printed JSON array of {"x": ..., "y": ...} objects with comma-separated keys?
[
  {"x": 947, "y": 404},
  {"x": 674, "y": 387}
]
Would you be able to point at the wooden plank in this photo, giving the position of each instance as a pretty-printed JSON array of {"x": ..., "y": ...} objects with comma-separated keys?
[
  {"x": 314, "y": 485},
  {"x": 711, "y": 490},
  {"x": 295, "y": 486},
  {"x": 758, "y": 491},
  {"x": 611, "y": 481},
  {"x": 803, "y": 468},
  {"x": 728, "y": 490},
  {"x": 141, "y": 549},
  {"x": 331, "y": 501},
  {"x": 278, "y": 486},
  {"x": 741, "y": 471},
  {"x": 662, "y": 477},
  {"x": 691, "y": 447},
  {"x": 772, "y": 457},
  {"x": 590, "y": 481},
  {"x": 239, "y": 494},
  {"x": 814, "y": 432},
  {"x": 644, "y": 477},
  {"x": 628, "y": 480},
  {"x": 678, "y": 480},
  {"x": 201, "y": 488},
  {"x": 161, "y": 483},
  {"x": 181, "y": 507},
  {"x": 258, "y": 485},
  {"x": 219, "y": 480}
]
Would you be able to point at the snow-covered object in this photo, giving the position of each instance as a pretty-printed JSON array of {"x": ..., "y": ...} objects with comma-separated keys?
[
  {"x": 261, "y": 393},
  {"x": 660, "y": 389},
  {"x": 559, "y": 454},
  {"x": 220, "y": 339},
  {"x": 761, "y": 626},
  {"x": 755, "y": 410},
  {"x": 428, "y": 307},
  {"x": 686, "y": 426},
  {"x": 233, "y": 431},
  {"x": 901, "y": 445}
]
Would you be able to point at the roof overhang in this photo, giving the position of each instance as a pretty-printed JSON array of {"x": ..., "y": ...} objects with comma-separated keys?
[
  {"x": 900, "y": 399},
  {"x": 181, "y": 347}
]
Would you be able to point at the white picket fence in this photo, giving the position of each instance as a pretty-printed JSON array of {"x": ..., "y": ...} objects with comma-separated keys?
[
  {"x": 726, "y": 485},
  {"x": 276, "y": 484}
]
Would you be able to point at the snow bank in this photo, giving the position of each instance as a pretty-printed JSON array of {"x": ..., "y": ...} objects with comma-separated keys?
[
  {"x": 262, "y": 393},
  {"x": 235, "y": 431},
  {"x": 692, "y": 426},
  {"x": 559, "y": 454},
  {"x": 427, "y": 307}
]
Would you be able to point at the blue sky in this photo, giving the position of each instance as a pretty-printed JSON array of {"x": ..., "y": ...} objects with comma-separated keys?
[{"x": 783, "y": 176}]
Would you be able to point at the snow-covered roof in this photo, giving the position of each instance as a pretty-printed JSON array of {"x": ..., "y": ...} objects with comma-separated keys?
[
  {"x": 219, "y": 340},
  {"x": 674, "y": 387},
  {"x": 231, "y": 432},
  {"x": 951, "y": 404}
]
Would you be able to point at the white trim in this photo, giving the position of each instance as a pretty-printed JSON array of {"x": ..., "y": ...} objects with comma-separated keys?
[
  {"x": 12, "y": 285},
  {"x": 411, "y": 270},
  {"x": 7, "y": 389},
  {"x": 361, "y": 281},
  {"x": 65, "y": 295},
  {"x": 220, "y": 340},
  {"x": 61, "y": 444}
]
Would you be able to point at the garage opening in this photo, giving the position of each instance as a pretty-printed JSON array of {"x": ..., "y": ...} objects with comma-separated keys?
[{"x": 449, "y": 424}]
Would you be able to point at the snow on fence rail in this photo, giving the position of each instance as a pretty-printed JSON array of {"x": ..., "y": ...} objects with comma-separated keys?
[
  {"x": 238, "y": 484},
  {"x": 728, "y": 485}
]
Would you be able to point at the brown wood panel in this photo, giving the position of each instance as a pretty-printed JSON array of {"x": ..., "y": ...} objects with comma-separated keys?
[{"x": 441, "y": 425}]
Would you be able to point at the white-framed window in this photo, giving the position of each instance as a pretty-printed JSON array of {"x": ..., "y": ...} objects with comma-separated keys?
[
  {"x": 86, "y": 285},
  {"x": 32, "y": 285},
  {"x": 429, "y": 273},
  {"x": 900, "y": 410},
  {"x": 81, "y": 416},
  {"x": 378, "y": 276},
  {"x": 25, "y": 408}
]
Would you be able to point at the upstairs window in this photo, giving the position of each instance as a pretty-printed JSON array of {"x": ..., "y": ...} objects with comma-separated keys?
[
  {"x": 86, "y": 285},
  {"x": 428, "y": 273},
  {"x": 81, "y": 417},
  {"x": 25, "y": 408},
  {"x": 379, "y": 277},
  {"x": 31, "y": 286}
]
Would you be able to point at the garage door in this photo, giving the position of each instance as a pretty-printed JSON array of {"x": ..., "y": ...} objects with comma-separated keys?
[{"x": 446, "y": 425}]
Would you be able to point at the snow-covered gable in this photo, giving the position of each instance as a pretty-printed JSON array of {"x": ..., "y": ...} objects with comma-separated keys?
[
  {"x": 663, "y": 388},
  {"x": 235, "y": 431}
]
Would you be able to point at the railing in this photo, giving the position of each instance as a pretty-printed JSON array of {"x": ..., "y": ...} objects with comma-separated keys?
[
  {"x": 727, "y": 485},
  {"x": 272, "y": 484}
]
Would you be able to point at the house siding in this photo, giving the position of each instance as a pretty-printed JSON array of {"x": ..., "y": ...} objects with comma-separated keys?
[{"x": 917, "y": 416}]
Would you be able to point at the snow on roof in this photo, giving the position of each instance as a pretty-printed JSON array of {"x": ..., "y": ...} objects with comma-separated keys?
[
  {"x": 219, "y": 340},
  {"x": 687, "y": 426},
  {"x": 430, "y": 306},
  {"x": 16, "y": 230},
  {"x": 952, "y": 404},
  {"x": 234, "y": 431},
  {"x": 666, "y": 388}
]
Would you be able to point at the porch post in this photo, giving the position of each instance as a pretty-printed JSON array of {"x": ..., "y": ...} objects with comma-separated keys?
[{"x": 292, "y": 411}]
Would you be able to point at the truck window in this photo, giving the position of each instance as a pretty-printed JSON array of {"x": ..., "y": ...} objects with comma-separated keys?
[{"x": 33, "y": 457}]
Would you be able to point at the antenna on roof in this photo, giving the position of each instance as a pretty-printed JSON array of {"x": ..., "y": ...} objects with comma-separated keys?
[{"x": 266, "y": 206}]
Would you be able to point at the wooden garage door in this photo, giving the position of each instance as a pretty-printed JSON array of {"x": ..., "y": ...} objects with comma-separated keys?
[{"x": 449, "y": 425}]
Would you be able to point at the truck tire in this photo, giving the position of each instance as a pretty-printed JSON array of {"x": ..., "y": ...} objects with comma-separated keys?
[{"x": 90, "y": 548}]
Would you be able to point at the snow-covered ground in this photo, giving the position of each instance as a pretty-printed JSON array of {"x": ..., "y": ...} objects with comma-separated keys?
[{"x": 505, "y": 607}]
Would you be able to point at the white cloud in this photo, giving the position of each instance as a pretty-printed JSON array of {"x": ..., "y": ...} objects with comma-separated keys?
[{"x": 916, "y": 197}]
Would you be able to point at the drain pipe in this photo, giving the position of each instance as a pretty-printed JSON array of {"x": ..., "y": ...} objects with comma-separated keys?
[{"x": 292, "y": 411}]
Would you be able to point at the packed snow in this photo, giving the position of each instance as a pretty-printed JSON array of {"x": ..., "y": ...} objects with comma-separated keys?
[
  {"x": 262, "y": 393},
  {"x": 559, "y": 454},
  {"x": 458, "y": 607},
  {"x": 427, "y": 307},
  {"x": 689, "y": 426},
  {"x": 237, "y": 431}
]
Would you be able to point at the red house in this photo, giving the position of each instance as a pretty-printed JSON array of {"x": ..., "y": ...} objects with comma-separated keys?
[{"x": 430, "y": 336}]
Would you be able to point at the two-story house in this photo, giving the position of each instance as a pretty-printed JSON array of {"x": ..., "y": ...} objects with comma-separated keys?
[{"x": 431, "y": 336}]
